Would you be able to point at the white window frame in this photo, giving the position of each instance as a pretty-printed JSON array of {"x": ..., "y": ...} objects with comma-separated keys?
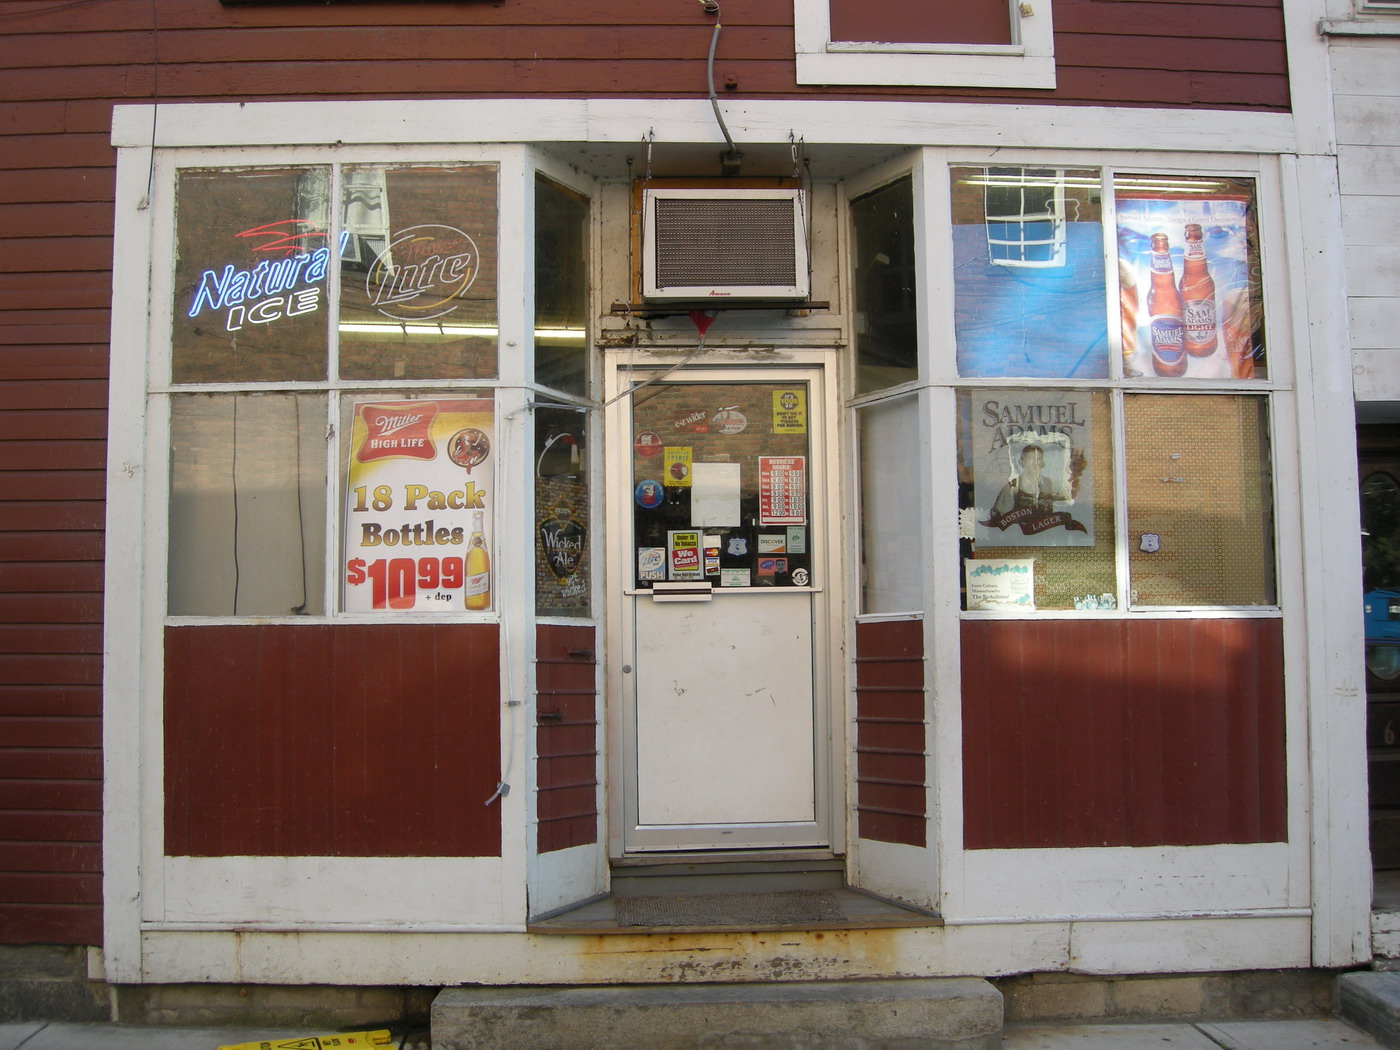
[{"x": 1028, "y": 62}]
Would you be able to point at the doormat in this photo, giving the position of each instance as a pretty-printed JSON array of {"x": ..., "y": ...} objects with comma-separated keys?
[{"x": 785, "y": 908}]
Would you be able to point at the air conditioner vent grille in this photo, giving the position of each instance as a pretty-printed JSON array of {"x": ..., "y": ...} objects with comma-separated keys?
[{"x": 725, "y": 242}]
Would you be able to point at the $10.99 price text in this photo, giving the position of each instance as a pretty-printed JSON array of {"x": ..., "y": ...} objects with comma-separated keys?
[{"x": 397, "y": 583}]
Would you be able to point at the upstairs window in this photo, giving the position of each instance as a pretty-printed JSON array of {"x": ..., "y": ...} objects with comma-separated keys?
[{"x": 977, "y": 43}]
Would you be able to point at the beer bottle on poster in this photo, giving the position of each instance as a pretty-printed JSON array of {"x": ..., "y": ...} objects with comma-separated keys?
[
  {"x": 1198, "y": 296},
  {"x": 1128, "y": 316},
  {"x": 478, "y": 582},
  {"x": 1164, "y": 309}
]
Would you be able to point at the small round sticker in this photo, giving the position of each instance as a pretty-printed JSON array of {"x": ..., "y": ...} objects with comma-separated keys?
[
  {"x": 650, "y": 494},
  {"x": 647, "y": 444}
]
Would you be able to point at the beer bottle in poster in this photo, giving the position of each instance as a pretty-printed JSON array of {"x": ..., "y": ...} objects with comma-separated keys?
[
  {"x": 1198, "y": 296},
  {"x": 478, "y": 582},
  {"x": 1164, "y": 309}
]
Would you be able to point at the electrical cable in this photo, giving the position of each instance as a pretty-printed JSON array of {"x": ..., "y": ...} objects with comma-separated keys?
[{"x": 730, "y": 160}]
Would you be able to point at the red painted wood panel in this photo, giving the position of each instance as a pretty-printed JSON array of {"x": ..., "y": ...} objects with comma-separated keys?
[
  {"x": 311, "y": 740},
  {"x": 1136, "y": 732},
  {"x": 891, "y": 766},
  {"x": 566, "y": 736},
  {"x": 917, "y": 21}
]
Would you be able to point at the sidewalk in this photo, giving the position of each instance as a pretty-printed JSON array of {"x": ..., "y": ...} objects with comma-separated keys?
[
  {"x": 1322, "y": 1034},
  {"x": 1224, "y": 1035}
]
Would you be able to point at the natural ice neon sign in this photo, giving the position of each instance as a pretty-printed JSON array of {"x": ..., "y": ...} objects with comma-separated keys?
[{"x": 271, "y": 290}]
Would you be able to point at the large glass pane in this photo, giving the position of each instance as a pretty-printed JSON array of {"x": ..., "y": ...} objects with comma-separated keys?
[
  {"x": 884, "y": 287},
  {"x": 561, "y": 287},
  {"x": 562, "y": 510},
  {"x": 419, "y": 504},
  {"x": 1035, "y": 483},
  {"x": 1189, "y": 277},
  {"x": 891, "y": 520},
  {"x": 1200, "y": 500},
  {"x": 1028, "y": 273},
  {"x": 721, "y": 484},
  {"x": 418, "y": 273},
  {"x": 247, "y": 505},
  {"x": 250, "y": 276}
]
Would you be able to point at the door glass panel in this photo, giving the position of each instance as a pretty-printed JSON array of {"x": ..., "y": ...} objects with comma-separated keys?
[{"x": 720, "y": 484}]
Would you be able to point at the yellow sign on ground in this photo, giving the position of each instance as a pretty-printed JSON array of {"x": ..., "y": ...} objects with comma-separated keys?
[{"x": 346, "y": 1040}]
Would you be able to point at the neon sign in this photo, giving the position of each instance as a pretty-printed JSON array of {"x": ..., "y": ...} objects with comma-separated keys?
[
  {"x": 271, "y": 290},
  {"x": 423, "y": 272}
]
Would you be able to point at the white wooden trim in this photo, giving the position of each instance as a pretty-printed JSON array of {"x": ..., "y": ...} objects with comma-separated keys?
[
  {"x": 627, "y": 121},
  {"x": 123, "y": 667},
  {"x": 1341, "y": 873},
  {"x": 311, "y": 892},
  {"x": 1124, "y": 881},
  {"x": 1309, "y": 75},
  {"x": 1187, "y": 945}
]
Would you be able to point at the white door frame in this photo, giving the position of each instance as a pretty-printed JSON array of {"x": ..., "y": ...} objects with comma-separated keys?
[{"x": 817, "y": 368}]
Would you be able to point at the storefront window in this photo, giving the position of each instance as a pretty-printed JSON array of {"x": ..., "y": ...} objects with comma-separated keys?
[
  {"x": 247, "y": 505},
  {"x": 1189, "y": 278},
  {"x": 1200, "y": 500},
  {"x": 891, "y": 522},
  {"x": 1028, "y": 272},
  {"x": 562, "y": 513},
  {"x": 419, "y": 502},
  {"x": 254, "y": 299},
  {"x": 884, "y": 287},
  {"x": 252, "y": 253},
  {"x": 1035, "y": 469},
  {"x": 561, "y": 287},
  {"x": 418, "y": 273}
]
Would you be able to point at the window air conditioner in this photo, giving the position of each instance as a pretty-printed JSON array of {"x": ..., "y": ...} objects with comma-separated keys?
[{"x": 724, "y": 244}]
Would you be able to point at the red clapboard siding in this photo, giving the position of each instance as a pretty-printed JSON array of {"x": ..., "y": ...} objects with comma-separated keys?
[
  {"x": 891, "y": 775},
  {"x": 1122, "y": 732},
  {"x": 566, "y": 736},
  {"x": 356, "y": 740}
]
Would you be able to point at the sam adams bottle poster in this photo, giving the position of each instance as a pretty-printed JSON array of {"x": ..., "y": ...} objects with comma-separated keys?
[
  {"x": 1188, "y": 287},
  {"x": 1033, "y": 483},
  {"x": 418, "y": 502}
]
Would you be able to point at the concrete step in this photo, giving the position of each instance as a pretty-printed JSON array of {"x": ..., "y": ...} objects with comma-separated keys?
[
  {"x": 1370, "y": 1000},
  {"x": 950, "y": 1013}
]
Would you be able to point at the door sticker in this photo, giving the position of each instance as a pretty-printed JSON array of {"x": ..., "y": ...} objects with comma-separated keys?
[
  {"x": 677, "y": 463},
  {"x": 796, "y": 539},
  {"x": 782, "y": 490},
  {"x": 715, "y": 495},
  {"x": 729, "y": 420},
  {"x": 684, "y": 547},
  {"x": 712, "y": 555},
  {"x": 650, "y": 493},
  {"x": 733, "y": 577},
  {"x": 647, "y": 444},
  {"x": 789, "y": 411},
  {"x": 693, "y": 421},
  {"x": 772, "y": 543},
  {"x": 651, "y": 563},
  {"x": 771, "y": 567}
]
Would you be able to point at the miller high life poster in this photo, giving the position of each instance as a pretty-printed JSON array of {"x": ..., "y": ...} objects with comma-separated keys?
[
  {"x": 1033, "y": 484},
  {"x": 418, "y": 502}
]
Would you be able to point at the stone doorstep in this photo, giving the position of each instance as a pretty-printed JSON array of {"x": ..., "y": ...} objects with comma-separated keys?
[
  {"x": 950, "y": 1013},
  {"x": 1370, "y": 1000}
]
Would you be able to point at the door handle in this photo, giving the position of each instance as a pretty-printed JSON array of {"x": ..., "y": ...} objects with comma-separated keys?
[{"x": 550, "y": 716}]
